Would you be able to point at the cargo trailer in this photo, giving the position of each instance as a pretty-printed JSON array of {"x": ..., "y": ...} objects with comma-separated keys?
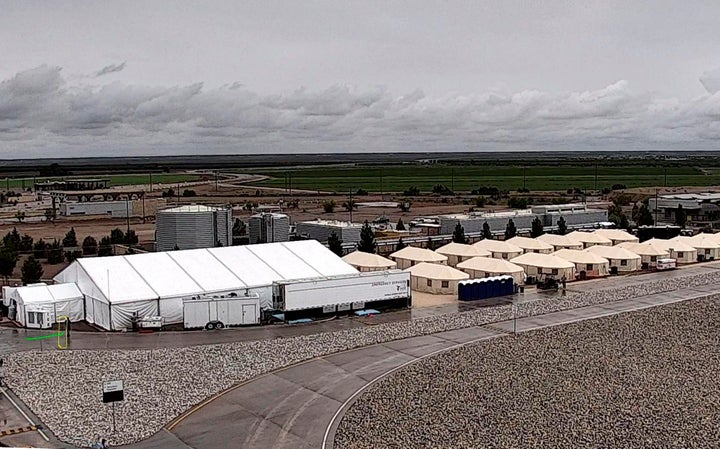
[{"x": 221, "y": 311}]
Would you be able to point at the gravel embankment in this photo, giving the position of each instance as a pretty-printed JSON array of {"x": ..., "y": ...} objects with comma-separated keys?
[
  {"x": 636, "y": 380},
  {"x": 64, "y": 388}
]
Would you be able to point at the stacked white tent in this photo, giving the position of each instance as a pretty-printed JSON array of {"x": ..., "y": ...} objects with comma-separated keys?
[
  {"x": 153, "y": 284},
  {"x": 680, "y": 251},
  {"x": 707, "y": 245},
  {"x": 649, "y": 253},
  {"x": 482, "y": 267},
  {"x": 369, "y": 262},
  {"x": 620, "y": 258},
  {"x": 545, "y": 264},
  {"x": 411, "y": 255},
  {"x": 435, "y": 278},
  {"x": 56, "y": 300},
  {"x": 560, "y": 241},
  {"x": 499, "y": 249},
  {"x": 587, "y": 264},
  {"x": 529, "y": 245},
  {"x": 617, "y": 236},
  {"x": 458, "y": 252},
  {"x": 589, "y": 239}
]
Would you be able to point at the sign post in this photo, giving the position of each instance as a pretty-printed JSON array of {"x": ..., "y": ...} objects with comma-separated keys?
[{"x": 113, "y": 392}]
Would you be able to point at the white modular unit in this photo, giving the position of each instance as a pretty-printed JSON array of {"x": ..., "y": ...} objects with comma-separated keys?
[
  {"x": 118, "y": 209},
  {"x": 212, "y": 313},
  {"x": 354, "y": 289}
]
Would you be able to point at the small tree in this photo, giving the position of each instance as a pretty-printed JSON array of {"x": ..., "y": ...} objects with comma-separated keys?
[
  {"x": 537, "y": 228},
  {"x": 480, "y": 201},
  {"x": 8, "y": 260},
  {"x": 40, "y": 249},
  {"x": 335, "y": 244},
  {"x": 31, "y": 271},
  {"x": 562, "y": 226},
  {"x": 459, "y": 234},
  {"x": 645, "y": 218},
  {"x": 89, "y": 245},
  {"x": 329, "y": 206},
  {"x": 55, "y": 253},
  {"x": 70, "y": 240},
  {"x": 238, "y": 228},
  {"x": 367, "y": 242},
  {"x": 349, "y": 205},
  {"x": 510, "y": 230},
  {"x": 12, "y": 240},
  {"x": 130, "y": 238},
  {"x": 70, "y": 256},
  {"x": 400, "y": 226},
  {"x": 486, "y": 232},
  {"x": 117, "y": 236},
  {"x": 400, "y": 245},
  {"x": 412, "y": 191},
  {"x": 680, "y": 216},
  {"x": 26, "y": 243},
  {"x": 105, "y": 247}
]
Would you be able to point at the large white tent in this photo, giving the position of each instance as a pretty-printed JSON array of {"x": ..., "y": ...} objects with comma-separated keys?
[
  {"x": 435, "y": 278},
  {"x": 412, "y": 255},
  {"x": 589, "y": 239},
  {"x": 617, "y": 236},
  {"x": 458, "y": 252},
  {"x": 680, "y": 251},
  {"x": 55, "y": 300},
  {"x": 648, "y": 253},
  {"x": 529, "y": 245},
  {"x": 482, "y": 267},
  {"x": 620, "y": 258},
  {"x": 560, "y": 241},
  {"x": 499, "y": 249},
  {"x": 589, "y": 263},
  {"x": 536, "y": 264},
  {"x": 369, "y": 262},
  {"x": 153, "y": 284},
  {"x": 707, "y": 245}
]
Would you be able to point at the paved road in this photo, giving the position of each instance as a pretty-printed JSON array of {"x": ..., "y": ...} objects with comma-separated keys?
[{"x": 294, "y": 407}]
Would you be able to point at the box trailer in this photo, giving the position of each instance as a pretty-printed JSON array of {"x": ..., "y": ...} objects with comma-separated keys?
[
  {"x": 375, "y": 289},
  {"x": 222, "y": 311}
]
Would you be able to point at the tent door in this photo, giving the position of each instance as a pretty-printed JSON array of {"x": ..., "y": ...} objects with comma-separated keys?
[{"x": 249, "y": 314}]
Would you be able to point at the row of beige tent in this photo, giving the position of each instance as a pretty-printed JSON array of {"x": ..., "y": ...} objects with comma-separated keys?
[{"x": 578, "y": 254}]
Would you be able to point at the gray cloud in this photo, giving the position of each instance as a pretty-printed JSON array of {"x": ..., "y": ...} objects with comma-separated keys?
[
  {"x": 112, "y": 68},
  {"x": 711, "y": 80},
  {"x": 41, "y": 114}
]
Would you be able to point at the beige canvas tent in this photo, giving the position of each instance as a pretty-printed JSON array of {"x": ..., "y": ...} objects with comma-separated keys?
[
  {"x": 649, "y": 253},
  {"x": 587, "y": 264},
  {"x": 482, "y": 267},
  {"x": 369, "y": 262},
  {"x": 529, "y": 245},
  {"x": 499, "y": 249},
  {"x": 621, "y": 259},
  {"x": 560, "y": 241},
  {"x": 617, "y": 236},
  {"x": 410, "y": 255},
  {"x": 680, "y": 251},
  {"x": 589, "y": 239},
  {"x": 545, "y": 264},
  {"x": 707, "y": 245},
  {"x": 435, "y": 278},
  {"x": 458, "y": 252}
]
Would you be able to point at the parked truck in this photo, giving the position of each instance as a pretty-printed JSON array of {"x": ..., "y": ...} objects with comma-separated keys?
[{"x": 217, "y": 312}]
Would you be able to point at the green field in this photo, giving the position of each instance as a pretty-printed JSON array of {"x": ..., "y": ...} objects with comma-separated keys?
[
  {"x": 466, "y": 178},
  {"x": 115, "y": 180}
]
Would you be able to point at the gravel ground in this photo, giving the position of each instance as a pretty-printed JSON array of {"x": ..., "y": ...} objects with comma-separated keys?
[
  {"x": 636, "y": 380},
  {"x": 64, "y": 388}
]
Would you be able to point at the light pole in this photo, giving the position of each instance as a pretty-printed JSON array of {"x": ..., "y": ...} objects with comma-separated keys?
[{"x": 514, "y": 313}]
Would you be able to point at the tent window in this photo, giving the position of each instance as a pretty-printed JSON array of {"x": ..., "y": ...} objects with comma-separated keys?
[
  {"x": 679, "y": 254},
  {"x": 653, "y": 258},
  {"x": 623, "y": 262},
  {"x": 429, "y": 282},
  {"x": 554, "y": 271},
  {"x": 31, "y": 317},
  {"x": 445, "y": 284},
  {"x": 589, "y": 267}
]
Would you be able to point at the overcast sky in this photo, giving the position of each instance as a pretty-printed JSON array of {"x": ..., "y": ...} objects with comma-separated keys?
[{"x": 176, "y": 77}]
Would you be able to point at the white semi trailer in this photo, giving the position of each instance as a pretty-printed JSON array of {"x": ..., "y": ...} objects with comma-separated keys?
[
  {"x": 343, "y": 293},
  {"x": 222, "y": 311}
]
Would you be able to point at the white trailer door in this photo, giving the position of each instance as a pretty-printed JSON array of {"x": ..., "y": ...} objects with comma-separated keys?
[
  {"x": 249, "y": 314},
  {"x": 223, "y": 312},
  {"x": 213, "y": 311}
]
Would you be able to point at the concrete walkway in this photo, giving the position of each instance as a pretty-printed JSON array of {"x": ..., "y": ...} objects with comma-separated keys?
[{"x": 300, "y": 406}]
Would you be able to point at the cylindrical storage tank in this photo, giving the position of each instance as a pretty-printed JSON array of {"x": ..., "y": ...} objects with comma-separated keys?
[{"x": 193, "y": 226}]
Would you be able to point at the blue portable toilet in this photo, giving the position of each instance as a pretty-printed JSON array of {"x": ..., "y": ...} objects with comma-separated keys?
[
  {"x": 475, "y": 290},
  {"x": 509, "y": 287},
  {"x": 482, "y": 289},
  {"x": 461, "y": 291},
  {"x": 496, "y": 287}
]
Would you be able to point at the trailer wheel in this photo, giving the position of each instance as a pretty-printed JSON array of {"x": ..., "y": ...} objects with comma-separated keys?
[
  {"x": 210, "y": 326},
  {"x": 219, "y": 325}
]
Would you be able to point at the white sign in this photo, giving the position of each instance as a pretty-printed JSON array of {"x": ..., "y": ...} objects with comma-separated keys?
[{"x": 113, "y": 385}]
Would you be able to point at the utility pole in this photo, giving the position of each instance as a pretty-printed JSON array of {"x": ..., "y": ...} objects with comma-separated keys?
[
  {"x": 127, "y": 211},
  {"x": 351, "y": 204},
  {"x": 656, "y": 206}
]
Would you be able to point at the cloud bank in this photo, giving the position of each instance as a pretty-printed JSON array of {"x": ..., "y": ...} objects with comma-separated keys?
[{"x": 42, "y": 114}]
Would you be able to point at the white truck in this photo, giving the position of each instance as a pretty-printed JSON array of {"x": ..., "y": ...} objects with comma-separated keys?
[
  {"x": 343, "y": 293},
  {"x": 221, "y": 311}
]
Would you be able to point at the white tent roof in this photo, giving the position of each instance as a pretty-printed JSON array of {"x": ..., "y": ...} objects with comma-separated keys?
[
  {"x": 616, "y": 235},
  {"x": 497, "y": 246},
  {"x": 701, "y": 241},
  {"x": 418, "y": 255},
  {"x": 644, "y": 249},
  {"x": 361, "y": 259},
  {"x": 43, "y": 294},
  {"x": 490, "y": 265},
  {"x": 542, "y": 260},
  {"x": 675, "y": 245},
  {"x": 437, "y": 271},
  {"x": 613, "y": 252},
  {"x": 559, "y": 240},
  {"x": 531, "y": 244},
  {"x": 140, "y": 277},
  {"x": 459, "y": 249},
  {"x": 589, "y": 237},
  {"x": 579, "y": 256}
]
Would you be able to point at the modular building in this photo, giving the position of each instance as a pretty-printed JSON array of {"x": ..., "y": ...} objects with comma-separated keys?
[
  {"x": 320, "y": 230},
  {"x": 115, "y": 209},
  {"x": 194, "y": 226},
  {"x": 40, "y": 305},
  {"x": 269, "y": 228}
]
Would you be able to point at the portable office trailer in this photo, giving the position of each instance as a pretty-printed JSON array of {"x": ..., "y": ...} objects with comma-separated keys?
[{"x": 221, "y": 311}]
